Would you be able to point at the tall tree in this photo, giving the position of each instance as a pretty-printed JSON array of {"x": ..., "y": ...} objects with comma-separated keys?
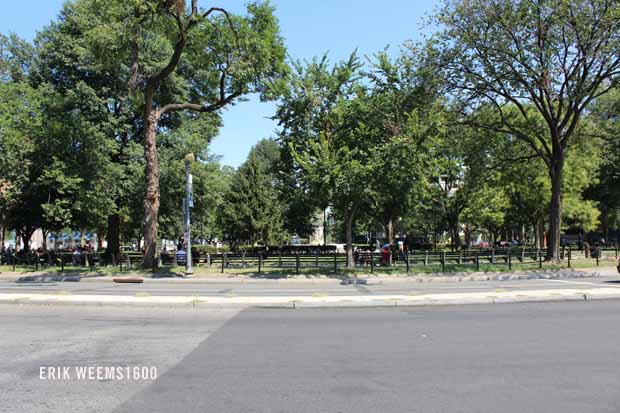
[
  {"x": 329, "y": 132},
  {"x": 606, "y": 190},
  {"x": 555, "y": 56},
  {"x": 252, "y": 211},
  {"x": 205, "y": 60},
  {"x": 404, "y": 106}
]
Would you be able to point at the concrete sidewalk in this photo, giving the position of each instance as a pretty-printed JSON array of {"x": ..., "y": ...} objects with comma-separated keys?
[{"x": 415, "y": 299}]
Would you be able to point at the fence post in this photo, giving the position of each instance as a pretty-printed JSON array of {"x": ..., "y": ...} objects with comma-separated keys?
[
  {"x": 243, "y": 259},
  {"x": 425, "y": 258},
  {"x": 493, "y": 256},
  {"x": 539, "y": 258},
  {"x": 408, "y": 263},
  {"x": 14, "y": 259},
  {"x": 223, "y": 261},
  {"x": 569, "y": 255},
  {"x": 443, "y": 261},
  {"x": 297, "y": 262},
  {"x": 260, "y": 261},
  {"x": 336, "y": 262},
  {"x": 460, "y": 257},
  {"x": 598, "y": 253},
  {"x": 372, "y": 262},
  {"x": 522, "y": 254},
  {"x": 509, "y": 260},
  {"x": 208, "y": 259},
  {"x": 477, "y": 261}
]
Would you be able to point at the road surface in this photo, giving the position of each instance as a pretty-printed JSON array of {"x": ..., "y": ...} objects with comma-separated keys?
[
  {"x": 536, "y": 357},
  {"x": 299, "y": 288}
]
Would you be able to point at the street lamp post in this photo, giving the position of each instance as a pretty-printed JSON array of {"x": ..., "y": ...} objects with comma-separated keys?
[{"x": 189, "y": 203}]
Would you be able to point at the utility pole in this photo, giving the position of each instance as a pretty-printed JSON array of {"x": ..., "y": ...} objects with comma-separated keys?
[{"x": 189, "y": 203}]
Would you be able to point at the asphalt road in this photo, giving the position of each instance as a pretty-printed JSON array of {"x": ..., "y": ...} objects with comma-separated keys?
[
  {"x": 298, "y": 288},
  {"x": 545, "y": 357}
]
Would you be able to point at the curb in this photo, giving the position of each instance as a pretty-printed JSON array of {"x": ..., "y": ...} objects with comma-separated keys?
[{"x": 296, "y": 302}]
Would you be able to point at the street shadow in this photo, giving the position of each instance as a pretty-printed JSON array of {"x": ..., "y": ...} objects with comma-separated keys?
[
  {"x": 165, "y": 272},
  {"x": 278, "y": 274},
  {"x": 41, "y": 279}
]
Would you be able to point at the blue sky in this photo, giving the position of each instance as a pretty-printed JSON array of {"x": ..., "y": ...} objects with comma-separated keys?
[{"x": 310, "y": 28}]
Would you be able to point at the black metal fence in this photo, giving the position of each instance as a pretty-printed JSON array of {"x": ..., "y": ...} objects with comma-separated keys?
[{"x": 319, "y": 260}]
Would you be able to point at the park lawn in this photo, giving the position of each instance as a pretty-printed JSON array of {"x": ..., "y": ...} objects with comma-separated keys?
[{"x": 273, "y": 272}]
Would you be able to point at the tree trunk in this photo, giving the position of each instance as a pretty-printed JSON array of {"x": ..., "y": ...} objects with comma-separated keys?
[
  {"x": 100, "y": 232},
  {"x": 349, "y": 238},
  {"x": 467, "y": 237},
  {"x": 390, "y": 231},
  {"x": 44, "y": 241},
  {"x": 113, "y": 248},
  {"x": 555, "y": 210},
  {"x": 25, "y": 236},
  {"x": 2, "y": 235},
  {"x": 82, "y": 237},
  {"x": 151, "y": 200},
  {"x": 456, "y": 239}
]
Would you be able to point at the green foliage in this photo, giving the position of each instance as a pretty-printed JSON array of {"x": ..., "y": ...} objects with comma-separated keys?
[{"x": 252, "y": 212}]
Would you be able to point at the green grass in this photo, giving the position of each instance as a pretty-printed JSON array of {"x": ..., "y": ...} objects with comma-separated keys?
[{"x": 327, "y": 270}]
